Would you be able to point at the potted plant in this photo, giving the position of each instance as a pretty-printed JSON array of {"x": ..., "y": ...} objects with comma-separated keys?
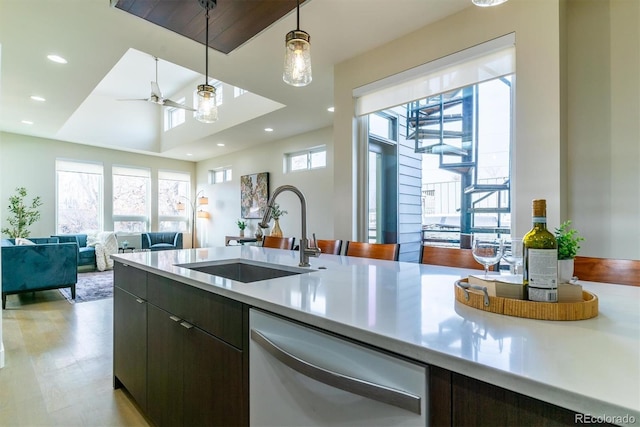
[
  {"x": 568, "y": 247},
  {"x": 23, "y": 215},
  {"x": 276, "y": 214},
  {"x": 242, "y": 225}
]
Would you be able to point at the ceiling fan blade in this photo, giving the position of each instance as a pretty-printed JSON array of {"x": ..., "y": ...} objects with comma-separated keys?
[
  {"x": 134, "y": 99},
  {"x": 170, "y": 103},
  {"x": 155, "y": 89}
]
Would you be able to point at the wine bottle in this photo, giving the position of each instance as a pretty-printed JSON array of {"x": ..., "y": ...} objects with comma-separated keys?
[{"x": 540, "y": 256}]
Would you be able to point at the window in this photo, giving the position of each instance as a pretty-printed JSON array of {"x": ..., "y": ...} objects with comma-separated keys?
[
  {"x": 173, "y": 187},
  {"x": 174, "y": 116},
  {"x": 220, "y": 175},
  {"x": 79, "y": 197},
  {"x": 448, "y": 174},
  {"x": 131, "y": 199},
  {"x": 237, "y": 91},
  {"x": 305, "y": 160}
]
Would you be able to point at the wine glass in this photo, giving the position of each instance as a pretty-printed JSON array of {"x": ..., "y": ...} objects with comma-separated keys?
[
  {"x": 513, "y": 255},
  {"x": 487, "y": 252}
]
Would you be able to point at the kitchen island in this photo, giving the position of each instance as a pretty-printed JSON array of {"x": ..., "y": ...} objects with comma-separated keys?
[{"x": 591, "y": 367}]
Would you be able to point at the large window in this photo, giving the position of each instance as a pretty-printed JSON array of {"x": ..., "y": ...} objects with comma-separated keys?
[
  {"x": 79, "y": 197},
  {"x": 448, "y": 174},
  {"x": 131, "y": 199},
  {"x": 173, "y": 187}
]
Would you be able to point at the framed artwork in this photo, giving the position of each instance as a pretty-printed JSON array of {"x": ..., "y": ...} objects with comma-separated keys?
[{"x": 254, "y": 194}]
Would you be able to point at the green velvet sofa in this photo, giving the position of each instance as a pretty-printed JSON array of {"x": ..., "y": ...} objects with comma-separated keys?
[{"x": 45, "y": 265}]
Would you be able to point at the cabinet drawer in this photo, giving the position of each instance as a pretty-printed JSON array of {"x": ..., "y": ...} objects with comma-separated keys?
[
  {"x": 217, "y": 315},
  {"x": 130, "y": 279}
]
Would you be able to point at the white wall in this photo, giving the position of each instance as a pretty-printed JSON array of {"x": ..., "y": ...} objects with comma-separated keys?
[
  {"x": 603, "y": 159},
  {"x": 30, "y": 162},
  {"x": 316, "y": 185}
]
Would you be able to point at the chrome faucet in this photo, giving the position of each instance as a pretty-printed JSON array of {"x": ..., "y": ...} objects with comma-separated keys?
[{"x": 305, "y": 250}]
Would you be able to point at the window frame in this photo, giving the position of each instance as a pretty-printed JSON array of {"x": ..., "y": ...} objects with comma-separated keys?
[
  {"x": 144, "y": 219},
  {"x": 288, "y": 159}
]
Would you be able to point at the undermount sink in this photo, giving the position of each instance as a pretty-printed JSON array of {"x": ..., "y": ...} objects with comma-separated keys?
[{"x": 245, "y": 271}]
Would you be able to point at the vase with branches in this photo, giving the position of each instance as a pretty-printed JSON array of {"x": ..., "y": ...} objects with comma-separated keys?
[
  {"x": 23, "y": 215},
  {"x": 276, "y": 214}
]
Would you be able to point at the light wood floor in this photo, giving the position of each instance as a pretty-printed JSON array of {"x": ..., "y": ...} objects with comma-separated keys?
[{"x": 58, "y": 364}]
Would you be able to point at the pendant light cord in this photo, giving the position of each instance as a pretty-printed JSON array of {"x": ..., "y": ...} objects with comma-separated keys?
[
  {"x": 206, "y": 52},
  {"x": 298, "y": 16}
]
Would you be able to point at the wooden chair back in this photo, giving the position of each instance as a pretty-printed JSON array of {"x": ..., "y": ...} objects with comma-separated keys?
[
  {"x": 331, "y": 247},
  {"x": 388, "y": 251},
  {"x": 278, "y": 242},
  {"x": 606, "y": 270},
  {"x": 451, "y": 257}
]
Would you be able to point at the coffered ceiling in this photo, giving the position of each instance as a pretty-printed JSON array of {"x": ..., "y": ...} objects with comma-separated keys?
[{"x": 110, "y": 50}]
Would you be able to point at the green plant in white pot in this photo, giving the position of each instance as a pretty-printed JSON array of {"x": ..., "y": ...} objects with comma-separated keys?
[
  {"x": 568, "y": 247},
  {"x": 241, "y": 226},
  {"x": 22, "y": 215}
]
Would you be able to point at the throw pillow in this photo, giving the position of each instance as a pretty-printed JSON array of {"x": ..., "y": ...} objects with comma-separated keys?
[{"x": 21, "y": 241}]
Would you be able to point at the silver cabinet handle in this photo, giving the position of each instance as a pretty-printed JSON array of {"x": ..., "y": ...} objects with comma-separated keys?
[
  {"x": 378, "y": 392},
  {"x": 139, "y": 301},
  {"x": 175, "y": 318},
  {"x": 186, "y": 325}
]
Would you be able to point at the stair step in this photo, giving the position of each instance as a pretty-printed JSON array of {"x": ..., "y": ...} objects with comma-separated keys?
[
  {"x": 429, "y": 109},
  {"x": 422, "y": 133},
  {"x": 485, "y": 188},
  {"x": 441, "y": 149},
  {"x": 429, "y": 120},
  {"x": 489, "y": 210},
  {"x": 460, "y": 167},
  {"x": 495, "y": 230}
]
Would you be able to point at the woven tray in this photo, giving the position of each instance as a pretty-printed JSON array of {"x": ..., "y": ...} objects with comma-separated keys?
[{"x": 477, "y": 298}]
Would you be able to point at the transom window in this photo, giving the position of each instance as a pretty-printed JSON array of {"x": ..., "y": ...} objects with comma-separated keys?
[
  {"x": 174, "y": 116},
  {"x": 220, "y": 175},
  {"x": 305, "y": 160}
]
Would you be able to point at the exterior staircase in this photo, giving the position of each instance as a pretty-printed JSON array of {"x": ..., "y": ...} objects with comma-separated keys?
[{"x": 445, "y": 126}]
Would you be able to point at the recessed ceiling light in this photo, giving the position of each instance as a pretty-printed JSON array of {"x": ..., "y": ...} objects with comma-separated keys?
[
  {"x": 268, "y": 129},
  {"x": 27, "y": 122},
  {"x": 220, "y": 144},
  {"x": 37, "y": 98},
  {"x": 189, "y": 154},
  {"x": 57, "y": 58},
  {"x": 331, "y": 109}
]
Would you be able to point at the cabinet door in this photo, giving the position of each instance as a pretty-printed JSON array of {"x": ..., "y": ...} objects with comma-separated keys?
[
  {"x": 215, "y": 383},
  {"x": 130, "y": 344},
  {"x": 164, "y": 368}
]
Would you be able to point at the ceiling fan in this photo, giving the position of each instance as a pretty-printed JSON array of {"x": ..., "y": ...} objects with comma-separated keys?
[{"x": 156, "y": 95}]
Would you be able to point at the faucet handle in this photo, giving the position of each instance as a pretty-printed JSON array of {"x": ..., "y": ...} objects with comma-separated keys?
[{"x": 315, "y": 243}]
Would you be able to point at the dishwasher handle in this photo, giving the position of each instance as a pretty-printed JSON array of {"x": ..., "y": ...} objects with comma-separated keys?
[{"x": 390, "y": 396}]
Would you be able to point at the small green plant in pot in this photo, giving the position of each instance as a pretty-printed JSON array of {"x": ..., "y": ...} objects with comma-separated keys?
[
  {"x": 568, "y": 246},
  {"x": 22, "y": 214},
  {"x": 241, "y": 226}
]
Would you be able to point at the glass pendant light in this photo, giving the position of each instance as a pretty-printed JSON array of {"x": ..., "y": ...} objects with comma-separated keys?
[
  {"x": 488, "y": 3},
  {"x": 297, "y": 57},
  {"x": 207, "y": 109}
]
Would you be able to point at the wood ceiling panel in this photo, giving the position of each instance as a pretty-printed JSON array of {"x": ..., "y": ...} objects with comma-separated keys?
[{"x": 231, "y": 22}]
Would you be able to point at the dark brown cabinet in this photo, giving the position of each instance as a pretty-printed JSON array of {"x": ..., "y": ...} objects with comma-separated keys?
[
  {"x": 458, "y": 400},
  {"x": 196, "y": 349},
  {"x": 130, "y": 333}
]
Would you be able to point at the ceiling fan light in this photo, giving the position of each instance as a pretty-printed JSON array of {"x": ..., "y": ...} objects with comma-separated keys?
[
  {"x": 488, "y": 3},
  {"x": 207, "y": 110},
  {"x": 297, "y": 59}
]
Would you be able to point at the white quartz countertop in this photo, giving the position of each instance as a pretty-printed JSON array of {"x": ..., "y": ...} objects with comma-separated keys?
[{"x": 590, "y": 366}]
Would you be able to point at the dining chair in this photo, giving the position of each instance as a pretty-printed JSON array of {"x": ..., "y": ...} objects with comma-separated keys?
[
  {"x": 607, "y": 270},
  {"x": 278, "y": 242},
  {"x": 331, "y": 247},
  {"x": 388, "y": 251},
  {"x": 450, "y": 257}
]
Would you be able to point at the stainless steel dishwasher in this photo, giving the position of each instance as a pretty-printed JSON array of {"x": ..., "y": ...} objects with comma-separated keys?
[{"x": 299, "y": 376}]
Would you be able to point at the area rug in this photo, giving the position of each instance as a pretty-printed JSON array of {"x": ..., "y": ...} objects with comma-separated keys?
[{"x": 91, "y": 286}]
